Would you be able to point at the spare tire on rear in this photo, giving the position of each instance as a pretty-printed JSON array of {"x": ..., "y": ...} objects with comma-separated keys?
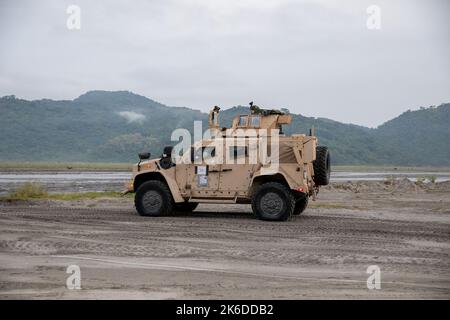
[{"x": 322, "y": 168}]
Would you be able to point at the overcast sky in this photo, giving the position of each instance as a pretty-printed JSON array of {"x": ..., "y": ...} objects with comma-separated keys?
[{"x": 317, "y": 58}]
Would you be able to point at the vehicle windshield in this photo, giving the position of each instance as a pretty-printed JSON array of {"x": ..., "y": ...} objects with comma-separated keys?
[
  {"x": 243, "y": 121},
  {"x": 255, "y": 121}
]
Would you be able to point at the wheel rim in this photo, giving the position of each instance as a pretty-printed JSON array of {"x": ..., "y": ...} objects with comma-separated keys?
[
  {"x": 152, "y": 201},
  {"x": 272, "y": 203}
]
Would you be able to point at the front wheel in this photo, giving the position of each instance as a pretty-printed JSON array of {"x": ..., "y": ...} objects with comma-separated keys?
[
  {"x": 153, "y": 198},
  {"x": 273, "y": 201}
]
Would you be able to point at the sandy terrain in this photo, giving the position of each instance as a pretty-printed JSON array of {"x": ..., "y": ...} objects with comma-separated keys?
[{"x": 221, "y": 251}]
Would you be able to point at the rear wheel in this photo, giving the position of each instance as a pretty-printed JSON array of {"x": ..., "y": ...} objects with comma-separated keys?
[
  {"x": 186, "y": 206},
  {"x": 273, "y": 201},
  {"x": 321, "y": 166},
  {"x": 300, "y": 204},
  {"x": 153, "y": 198}
]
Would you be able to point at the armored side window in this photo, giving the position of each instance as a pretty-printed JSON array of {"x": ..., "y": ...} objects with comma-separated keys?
[
  {"x": 243, "y": 121},
  {"x": 238, "y": 151},
  {"x": 255, "y": 121},
  {"x": 199, "y": 155},
  {"x": 195, "y": 155},
  {"x": 209, "y": 152}
]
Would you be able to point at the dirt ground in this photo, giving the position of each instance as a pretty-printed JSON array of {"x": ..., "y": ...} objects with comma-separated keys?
[{"x": 222, "y": 251}]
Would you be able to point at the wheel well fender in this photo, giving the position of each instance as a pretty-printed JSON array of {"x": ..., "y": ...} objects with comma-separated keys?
[
  {"x": 260, "y": 179},
  {"x": 171, "y": 183}
]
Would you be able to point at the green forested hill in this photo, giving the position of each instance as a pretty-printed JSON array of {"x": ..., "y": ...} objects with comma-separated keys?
[
  {"x": 114, "y": 126},
  {"x": 416, "y": 137}
]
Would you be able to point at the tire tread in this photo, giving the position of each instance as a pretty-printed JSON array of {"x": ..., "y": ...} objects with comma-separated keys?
[
  {"x": 280, "y": 187},
  {"x": 167, "y": 207}
]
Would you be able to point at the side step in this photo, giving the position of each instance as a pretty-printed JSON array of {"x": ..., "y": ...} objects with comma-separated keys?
[{"x": 215, "y": 200}]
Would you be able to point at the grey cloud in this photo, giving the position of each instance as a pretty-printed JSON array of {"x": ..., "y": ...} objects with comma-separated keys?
[
  {"x": 313, "y": 57},
  {"x": 132, "y": 116}
]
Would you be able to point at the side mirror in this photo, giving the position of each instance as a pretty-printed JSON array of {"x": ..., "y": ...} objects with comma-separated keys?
[{"x": 144, "y": 156}]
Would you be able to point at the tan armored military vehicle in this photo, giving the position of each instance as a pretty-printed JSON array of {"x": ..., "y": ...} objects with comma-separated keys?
[{"x": 231, "y": 166}]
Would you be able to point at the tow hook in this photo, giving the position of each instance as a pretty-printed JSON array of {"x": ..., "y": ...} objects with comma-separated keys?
[{"x": 124, "y": 192}]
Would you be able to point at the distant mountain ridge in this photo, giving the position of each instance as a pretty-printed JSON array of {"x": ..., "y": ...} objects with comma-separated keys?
[{"x": 114, "y": 126}]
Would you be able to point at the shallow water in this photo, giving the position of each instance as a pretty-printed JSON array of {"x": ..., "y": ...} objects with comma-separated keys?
[
  {"x": 84, "y": 181},
  {"x": 63, "y": 181},
  {"x": 378, "y": 176}
]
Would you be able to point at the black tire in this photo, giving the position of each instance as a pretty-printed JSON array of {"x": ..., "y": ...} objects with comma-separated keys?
[
  {"x": 153, "y": 199},
  {"x": 273, "y": 201},
  {"x": 322, "y": 168},
  {"x": 301, "y": 203},
  {"x": 186, "y": 206}
]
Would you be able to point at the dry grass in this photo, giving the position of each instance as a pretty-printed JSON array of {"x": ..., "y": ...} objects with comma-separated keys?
[
  {"x": 36, "y": 191},
  {"x": 29, "y": 190}
]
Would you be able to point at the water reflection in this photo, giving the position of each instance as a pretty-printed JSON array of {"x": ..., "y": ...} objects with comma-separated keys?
[{"x": 83, "y": 181}]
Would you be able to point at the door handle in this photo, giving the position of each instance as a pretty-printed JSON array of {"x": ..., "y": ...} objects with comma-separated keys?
[{"x": 224, "y": 170}]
